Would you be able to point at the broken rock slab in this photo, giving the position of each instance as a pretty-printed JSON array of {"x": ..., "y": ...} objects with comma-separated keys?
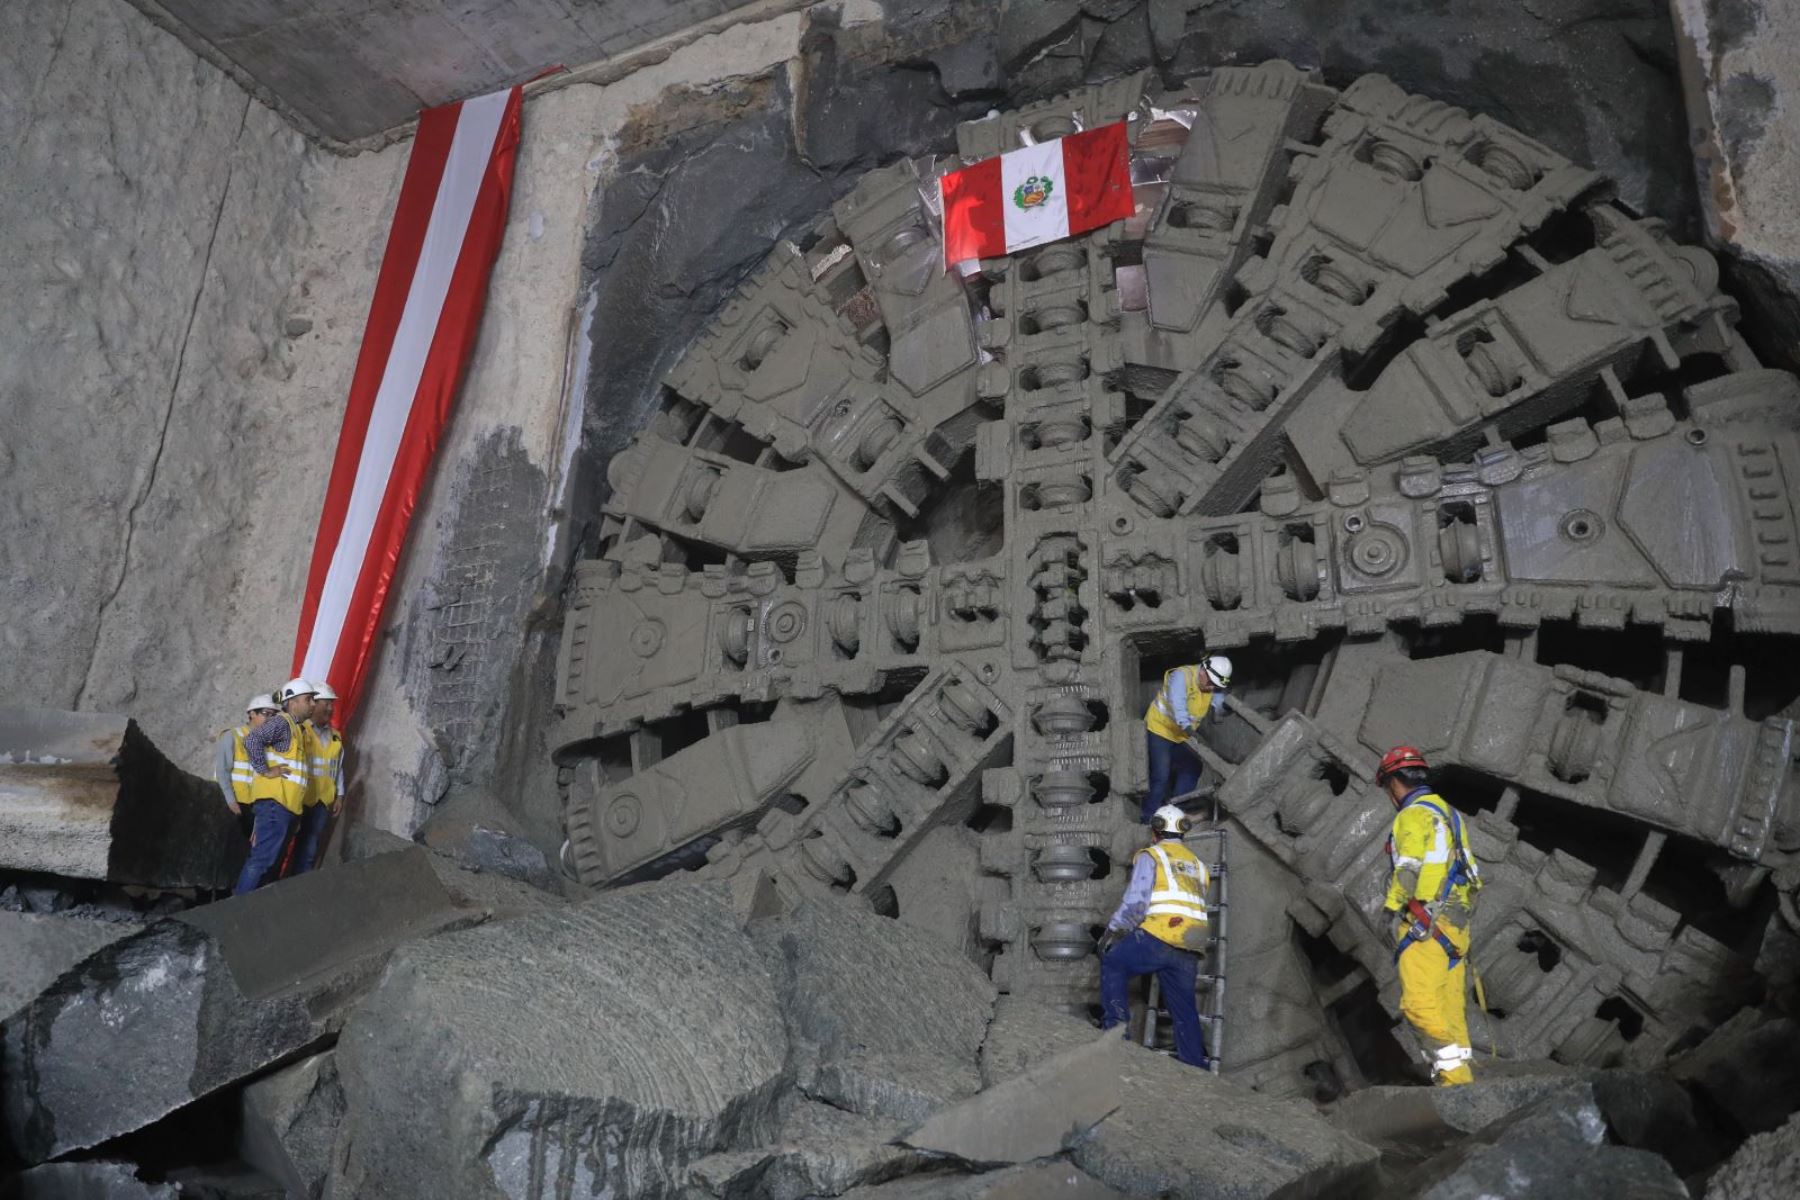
[
  {"x": 34, "y": 950},
  {"x": 1748, "y": 1068},
  {"x": 289, "y": 1123},
  {"x": 886, "y": 1020},
  {"x": 1037, "y": 1181},
  {"x": 1186, "y": 1133},
  {"x": 473, "y": 830},
  {"x": 87, "y": 796},
  {"x": 1765, "y": 1167},
  {"x": 202, "y": 1000},
  {"x": 608, "y": 1044},
  {"x": 818, "y": 1151},
  {"x": 1035, "y": 1115},
  {"x": 1023, "y": 1034},
  {"x": 1552, "y": 1148},
  {"x": 84, "y": 1181}
]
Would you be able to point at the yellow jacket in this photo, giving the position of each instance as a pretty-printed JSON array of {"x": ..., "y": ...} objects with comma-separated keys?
[
  {"x": 325, "y": 761},
  {"x": 1159, "y": 718},
  {"x": 1428, "y": 839},
  {"x": 289, "y": 790}
]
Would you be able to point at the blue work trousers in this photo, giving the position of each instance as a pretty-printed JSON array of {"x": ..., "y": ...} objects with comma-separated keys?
[
  {"x": 1175, "y": 970},
  {"x": 1174, "y": 771},
  {"x": 312, "y": 832},
  {"x": 268, "y": 834}
]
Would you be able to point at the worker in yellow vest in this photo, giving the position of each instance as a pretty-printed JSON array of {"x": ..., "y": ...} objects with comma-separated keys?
[
  {"x": 277, "y": 754},
  {"x": 1432, "y": 890},
  {"x": 231, "y": 766},
  {"x": 1187, "y": 695},
  {"x": 325, "y": 749},
  {"x": 1159, "y": 929}
]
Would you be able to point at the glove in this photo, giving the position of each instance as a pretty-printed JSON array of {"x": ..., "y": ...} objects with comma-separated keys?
[
  {"x": 1421, "y": 918},
  {"x": 1109, "y": 939}
]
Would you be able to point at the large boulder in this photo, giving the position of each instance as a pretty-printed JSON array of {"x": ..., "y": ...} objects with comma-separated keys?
[
  {"x": 205, "y": 999},
  {"x": 35, "y": 950},
  {"x": 886, "y": 1020},
  {"x": 606, "y": 1045},
  {"x": 1190, "y": 1135},
  {"x": 1552, "y": 1148}
]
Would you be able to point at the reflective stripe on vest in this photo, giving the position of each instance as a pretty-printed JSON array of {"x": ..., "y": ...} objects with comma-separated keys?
[
  {"x": 322, "y": 760},
  {"x": 242, "y": 777},
  {"x": 1177, "y": 896},
  {"x": 290, "y": 789}
]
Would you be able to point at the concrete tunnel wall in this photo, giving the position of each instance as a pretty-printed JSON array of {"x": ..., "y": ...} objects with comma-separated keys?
[{"x": 194, "y": 278}]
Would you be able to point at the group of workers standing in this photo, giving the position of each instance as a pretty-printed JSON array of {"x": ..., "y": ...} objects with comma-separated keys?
[
  {"x": 284, "y": 767},
  {"x": 1161, "y": 928}
]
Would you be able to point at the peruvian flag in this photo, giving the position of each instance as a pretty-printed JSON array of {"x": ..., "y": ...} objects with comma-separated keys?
[
  {"x": 421, "y": 326},
  {"x": 1036, "y": 194}
]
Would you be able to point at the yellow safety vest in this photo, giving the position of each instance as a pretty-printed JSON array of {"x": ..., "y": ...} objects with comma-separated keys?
[
  {"x": 1177, "y": 912},
  {"x": 323, "y": 752},
  {"x": 290, "y": 789},
  {"x": 1423, "y": 837},
  {"x": 1160, "y": 717},
  {"x": 242, "y": 777}
]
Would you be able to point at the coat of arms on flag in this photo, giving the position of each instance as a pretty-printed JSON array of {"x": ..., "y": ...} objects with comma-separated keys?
[
  {"x": 1033, "y": 192},
  {"x": 1037, "y": 194}
]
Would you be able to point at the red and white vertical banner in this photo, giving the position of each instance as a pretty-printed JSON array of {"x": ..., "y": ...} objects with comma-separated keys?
[
  {"x": 1037, "y": 194},
  {"x": 422, "y": 324}
]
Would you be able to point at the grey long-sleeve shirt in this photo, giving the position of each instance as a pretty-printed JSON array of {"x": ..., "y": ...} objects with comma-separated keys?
[{"x": 224, "y": 755}]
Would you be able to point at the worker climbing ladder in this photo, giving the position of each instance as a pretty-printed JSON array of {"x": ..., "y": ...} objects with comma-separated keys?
[{"x": 1209, "y": 984}]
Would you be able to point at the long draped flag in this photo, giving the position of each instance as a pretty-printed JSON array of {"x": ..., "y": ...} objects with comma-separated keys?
[
  {"x": 422, "y": 323},
  {"x": 1037, "y": 194}
]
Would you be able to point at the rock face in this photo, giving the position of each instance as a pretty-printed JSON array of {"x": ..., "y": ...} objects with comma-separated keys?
[
  {"x": 1739, "y": 76},
  {"x": 885, "y": 1020},
  {"x": 203, "y": 1000},
  {"x": 608, "y": 1044},
  {"x": 1764, "y": 1167},
  {"x": 36, "y": 949},
  {"x": 290, "y": 1124},
  {"x": 86, "y": 795},
  {"x": 1749, "y": 1068},
  {"x": 1189, "y": 1134}
]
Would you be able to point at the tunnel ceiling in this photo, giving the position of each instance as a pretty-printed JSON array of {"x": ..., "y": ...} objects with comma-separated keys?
[{"x": 352, "y": 68}]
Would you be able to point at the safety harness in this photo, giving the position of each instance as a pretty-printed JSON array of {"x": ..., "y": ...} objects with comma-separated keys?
[{"x": 1462, "y": 870}]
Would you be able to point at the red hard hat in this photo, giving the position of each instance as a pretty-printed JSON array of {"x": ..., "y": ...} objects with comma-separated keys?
[{"x": 1398, "y": 758}]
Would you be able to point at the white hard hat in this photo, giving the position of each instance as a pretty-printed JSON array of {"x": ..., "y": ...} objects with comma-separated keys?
[
  {"x": 1169, "y": 819},
  {"x": 260, "y": 702},
  {"x": 296, "y": 687},
  {"x": 1218, "y": 669},
  {"x": 323, "y": 692}
]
